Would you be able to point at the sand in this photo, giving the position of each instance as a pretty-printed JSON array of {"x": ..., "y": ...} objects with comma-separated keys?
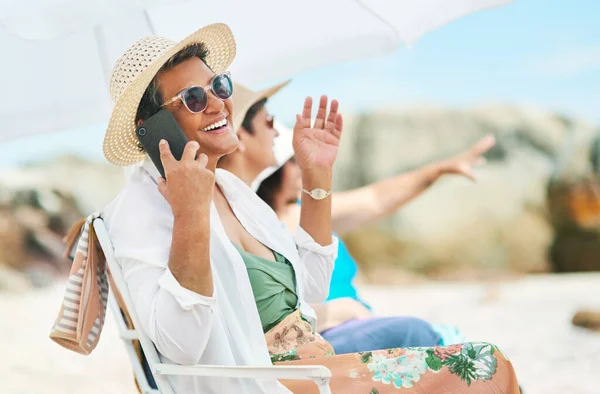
[{"x": 530, "y": 319}]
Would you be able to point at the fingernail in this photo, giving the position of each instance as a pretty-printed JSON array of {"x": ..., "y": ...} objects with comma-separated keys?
[{"x": 163, "y": 142}]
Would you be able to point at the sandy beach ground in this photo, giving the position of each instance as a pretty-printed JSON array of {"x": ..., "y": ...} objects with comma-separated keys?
[{"x": 529, "y": 318}]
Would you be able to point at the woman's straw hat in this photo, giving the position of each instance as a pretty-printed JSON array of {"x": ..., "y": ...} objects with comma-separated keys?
[
  {"x": 135, "y": 70},
  {"x": 244, "y": 98}
]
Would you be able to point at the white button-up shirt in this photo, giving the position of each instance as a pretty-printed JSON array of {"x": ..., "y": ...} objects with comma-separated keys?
[{"x": 189, "y": 328}]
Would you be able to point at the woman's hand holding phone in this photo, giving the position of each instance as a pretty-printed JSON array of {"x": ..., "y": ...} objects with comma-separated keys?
[{"x": 189, "y": 185}]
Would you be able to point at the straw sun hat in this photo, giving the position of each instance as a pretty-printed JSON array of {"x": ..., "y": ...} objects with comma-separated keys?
[
  {"x": 135, "y": 70},
  {"x": 244, "y": 98}
]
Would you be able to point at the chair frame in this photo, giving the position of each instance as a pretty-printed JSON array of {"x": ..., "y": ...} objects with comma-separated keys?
[{"x": 160, "y": 371}]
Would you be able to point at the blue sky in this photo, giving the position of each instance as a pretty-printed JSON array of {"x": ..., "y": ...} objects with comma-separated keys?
[{"x": 543, "y": 53}]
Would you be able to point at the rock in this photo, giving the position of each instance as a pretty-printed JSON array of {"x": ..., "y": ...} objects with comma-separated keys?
[
  {"x": 13, "y": 281},
  {"x": 587, "y": 319},
  {"x": 38, "y": 205},
  {"x": 576, "y": 250},
  {"x": 500, "y": 223},
  {"x": 12, "y": 240},
  {"x": 574, "y": 204},
  {"x": 31, "y": 218},
  {"x": 385, "y": 271},
  {"x": 88, "y": 185},
  {"x": 575, "y": 214},
  {"x": 41, "y": 237}
]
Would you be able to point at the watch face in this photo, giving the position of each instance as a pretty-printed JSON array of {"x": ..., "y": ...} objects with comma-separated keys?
[{"x": 319, "y": 194}]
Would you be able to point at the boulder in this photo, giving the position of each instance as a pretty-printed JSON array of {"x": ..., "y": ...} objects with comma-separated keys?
[
  {"x": 574, "y": 205},
  {"x": 68, "y": 180},
  {"x": 38, "y": 204},
  {"x": 13, "y": 245},
  {"x": 501, "y": 223},
  {"x": 589, "y": 319}
]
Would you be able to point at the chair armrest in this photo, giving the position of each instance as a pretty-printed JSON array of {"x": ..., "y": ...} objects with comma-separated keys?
[
  {"x": 300, "y": 372},
  {"x": 319, "y": 374}
]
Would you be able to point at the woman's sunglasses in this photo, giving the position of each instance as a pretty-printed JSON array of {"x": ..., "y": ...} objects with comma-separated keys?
[{"x": 195, "y": 98}]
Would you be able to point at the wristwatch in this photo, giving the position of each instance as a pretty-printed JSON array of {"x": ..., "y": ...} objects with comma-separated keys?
[{"x": 317, "y": 194}]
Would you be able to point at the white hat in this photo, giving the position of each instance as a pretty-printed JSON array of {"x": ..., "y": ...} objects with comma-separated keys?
[
  {"x": 283, "y": 150},
  {"x": 135, "y": 70}
]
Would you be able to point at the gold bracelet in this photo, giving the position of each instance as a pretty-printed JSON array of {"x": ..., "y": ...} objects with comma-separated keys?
[{"x": 317, "y": 194}]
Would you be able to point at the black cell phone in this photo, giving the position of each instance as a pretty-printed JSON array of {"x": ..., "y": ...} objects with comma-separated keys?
[{"x": 161, "y": 126}]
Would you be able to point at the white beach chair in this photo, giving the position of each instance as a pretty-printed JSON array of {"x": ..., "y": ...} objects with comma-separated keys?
[{"x": 318, "y": 373}]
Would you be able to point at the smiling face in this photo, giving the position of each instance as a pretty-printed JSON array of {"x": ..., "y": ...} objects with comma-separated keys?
[
  {"x": 201, "y": 127},
  {"x": 258, "y": 143}
]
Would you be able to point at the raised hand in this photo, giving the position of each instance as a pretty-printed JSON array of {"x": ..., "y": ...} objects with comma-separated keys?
[
  {"x": 316, "y": 145},
  {"x": 189, "y": 184},
  {"x": 464, "y": 163}
]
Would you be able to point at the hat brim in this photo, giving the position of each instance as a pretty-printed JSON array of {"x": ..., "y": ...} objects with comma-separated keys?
[
  {"x": 120, "y": 142},
  {"x": 240, "y": 112}
]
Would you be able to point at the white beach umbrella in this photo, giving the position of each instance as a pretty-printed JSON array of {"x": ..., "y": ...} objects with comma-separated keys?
[{"x": 57, "y": 58}]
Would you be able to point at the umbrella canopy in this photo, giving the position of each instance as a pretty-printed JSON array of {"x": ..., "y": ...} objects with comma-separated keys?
[
  {"x": 57, "y": 63},
  {"x": 48, "y": 19}
]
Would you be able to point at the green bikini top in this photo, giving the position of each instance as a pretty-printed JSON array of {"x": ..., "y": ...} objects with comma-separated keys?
[{"x": 274, "y": 287}]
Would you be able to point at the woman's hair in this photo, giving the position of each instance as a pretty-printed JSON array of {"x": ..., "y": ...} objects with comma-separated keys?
[
  {"x": 270, "y": 187},
  {"x": 251, "y": 113}
]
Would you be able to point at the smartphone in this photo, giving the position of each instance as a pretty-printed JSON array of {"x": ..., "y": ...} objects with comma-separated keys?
[{"x": 158, "y": 127}]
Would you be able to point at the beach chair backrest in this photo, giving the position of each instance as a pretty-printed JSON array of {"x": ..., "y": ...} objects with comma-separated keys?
[
  {"x": 129, "y": 335},
  {"x": 127, "y": 320}
]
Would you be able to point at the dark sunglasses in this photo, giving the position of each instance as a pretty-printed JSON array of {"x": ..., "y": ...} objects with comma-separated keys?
[
  {"x": 270, "y": 121},
  {"x": 195, "y": 98}
]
